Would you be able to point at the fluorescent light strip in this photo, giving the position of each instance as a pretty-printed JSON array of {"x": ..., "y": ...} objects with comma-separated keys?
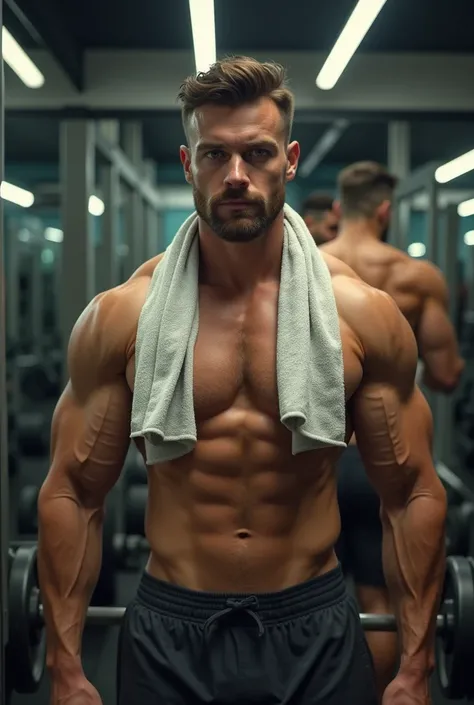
[
  {"x": 204, "y": 33},
  {"x": 20, "y": 62},
  {"x": 54, "y": 234},
  {"x": 457, "y": 167},
  {"x": 348, "y": 42},
  {"x": 416, "y": 249},
  {"x": 469, "y": 238},
  {"x": 466, "y": 208},
  {"x": 96, "y": 206},
  {"x": 17, "y": 195}
]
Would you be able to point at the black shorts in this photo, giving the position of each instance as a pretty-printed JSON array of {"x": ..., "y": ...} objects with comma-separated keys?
[
  {"x": 359, "y": 548},
  {"x": 298, "y": 646}
]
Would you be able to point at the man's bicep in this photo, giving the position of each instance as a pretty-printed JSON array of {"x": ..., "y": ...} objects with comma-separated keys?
[
  {"x": 91, "y": 435},
  {"x": 91, "y": 423},
  {"x": 394, "y": 436},
  {"x": 391, "y": 419},
  {"x": 438, "y": 344}
]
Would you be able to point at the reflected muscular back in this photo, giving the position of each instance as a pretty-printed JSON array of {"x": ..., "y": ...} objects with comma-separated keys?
[
  {"x": 420, "y": 292},
  {"x": 384, "y": 268},
  {"x": 240, "y": 512}
]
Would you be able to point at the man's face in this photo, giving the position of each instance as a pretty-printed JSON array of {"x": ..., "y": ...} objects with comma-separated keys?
[
  {"x": 238, "y": 164},
  {"x": 322, "y": 226}
]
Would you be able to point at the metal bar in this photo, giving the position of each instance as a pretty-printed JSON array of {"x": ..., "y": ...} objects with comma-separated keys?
[
  {"x": 399, "y": 148},
  {"x": 152, "y": 233},
  {"x": 458, "y": 481},
  {"x": 12, "y": 282},
  {"x": 77, "y": 162},
  {"x": 107, "y": 253},
  {"x": 388, "y": 623},
  {"x": 416, "y": 181},
  {"x": 135, "y": 215},
  {"x": 37, "y": 296},
  {"x": 322, "y": 147},
  {"x": 432, "y": 240},
  {"x": 128, "y": 171},
  {"x": 4, "y": 484},
  {"x": 110, "y": 616},
  {"x": 448, "y": 263}
]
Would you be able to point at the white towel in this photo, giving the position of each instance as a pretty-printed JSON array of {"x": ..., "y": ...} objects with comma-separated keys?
[{"x": 310, "y": 375}]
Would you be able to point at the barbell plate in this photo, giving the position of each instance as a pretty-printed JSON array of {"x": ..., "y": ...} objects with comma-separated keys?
[
  {"x": 26, "y": 640},
  {"x": 453, "y": 651},
  {"x": 470, "y": 672}
]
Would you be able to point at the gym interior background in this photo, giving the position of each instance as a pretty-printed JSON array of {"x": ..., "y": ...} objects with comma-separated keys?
[{"x": 93, "y": 186}]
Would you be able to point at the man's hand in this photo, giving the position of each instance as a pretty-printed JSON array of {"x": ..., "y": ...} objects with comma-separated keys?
[
  {"x": 404, "y": 690},
  {"x": 78, "y": 692}
]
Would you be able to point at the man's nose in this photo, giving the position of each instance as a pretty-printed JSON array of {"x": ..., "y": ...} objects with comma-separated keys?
[{"x": 236, "y": 176}]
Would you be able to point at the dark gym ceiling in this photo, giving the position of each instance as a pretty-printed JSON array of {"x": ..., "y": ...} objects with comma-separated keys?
[{"x": 244, "y": 25}]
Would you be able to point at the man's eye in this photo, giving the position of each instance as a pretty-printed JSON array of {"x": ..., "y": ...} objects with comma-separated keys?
[
  {"x": 259, "y": 153},
  {"x": 214, "y": 154}
]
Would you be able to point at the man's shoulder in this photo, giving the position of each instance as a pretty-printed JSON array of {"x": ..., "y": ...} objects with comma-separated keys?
[
  {"x": 337, "y": 268},
  {"x": 109, "y": 323},
  {"x": 349, "y": 289},
  {"x": 127, "y": 299},
  {"x": 424, "y": 276},
  {"x": 371, "y": 314}
]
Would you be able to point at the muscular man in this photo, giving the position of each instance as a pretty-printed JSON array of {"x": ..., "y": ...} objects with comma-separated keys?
[
  {"x": 420, "y": 291},
  {"x": 320, "y": 217},
  {"x": 242, "y": 599}
]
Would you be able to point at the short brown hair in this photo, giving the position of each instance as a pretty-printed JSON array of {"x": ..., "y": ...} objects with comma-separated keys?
[
  {"x": 317, "y": 203},
  {"x": 237, "y": 80},
  {"x": 363, "y": 187}
]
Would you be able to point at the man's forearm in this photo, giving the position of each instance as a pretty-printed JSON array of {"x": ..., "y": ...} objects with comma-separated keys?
[
  {"x": 69, "y": 558},
  {"x": 414, "y": 566}
]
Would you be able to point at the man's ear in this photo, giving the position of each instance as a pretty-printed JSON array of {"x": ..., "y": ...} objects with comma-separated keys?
[
  {"x": 384, "y": 212},
  {"x": 292, "y": 155},
  {"x": 185, "y": 156}
]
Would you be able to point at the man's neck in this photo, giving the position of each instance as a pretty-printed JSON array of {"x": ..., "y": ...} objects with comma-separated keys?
[
  {"x": 240, "y": 266},
  {"x": 359, "y": 229}
]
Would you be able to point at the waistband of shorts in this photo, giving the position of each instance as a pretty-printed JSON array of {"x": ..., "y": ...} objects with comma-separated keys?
[{"x": 198, "y": 606}]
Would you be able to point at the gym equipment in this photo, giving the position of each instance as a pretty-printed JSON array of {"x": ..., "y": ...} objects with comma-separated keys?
[
  {"x": 460, "y": 530},
  {"x": 135, "y": 472},
  {"x": 27, "y": 510},
  {"x": 460, "y": 516},
  {"x": 135, "y": 500},
  {"x": 453, "y": 664},
  {"x": 26, "y": 638},
  {"x": 33, "y": 432},
  {"x": 37, "y": 379},
  {"x": 105, "y": 591},
  {"x": 459, "y": 485},
  {"x": 454, "y": 625}
]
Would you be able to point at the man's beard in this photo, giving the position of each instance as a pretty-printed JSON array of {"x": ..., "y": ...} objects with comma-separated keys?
[{"x": 244, "y": 225}]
